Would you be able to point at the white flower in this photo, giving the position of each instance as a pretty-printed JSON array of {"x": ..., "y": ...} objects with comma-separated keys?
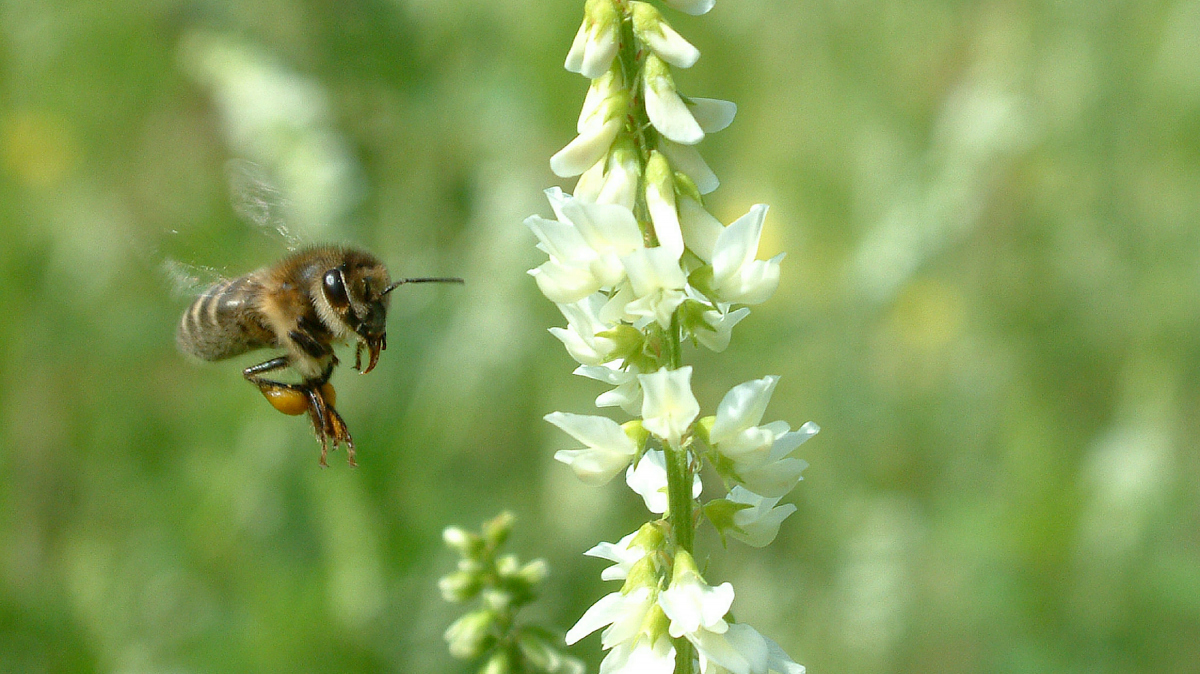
[
  {"x": 613, "y": 179},
  {"x": 692, "y": 604},
  {"x": 656, "y": 282},
  {"x": 595, "y": 43},
  {"x": 778, "y": 661},
  {"x": 610, "y": 230},
  {"x": 628, "y": 393},
  {"x": 660, "y": 201},
  {"x": 722, "y": 328},
  {"x": 650, "y": 27},
  {"x": 648, "y": 478},
  {"x": 687, "y": 160},
  {"x": 623, "y": 613},
  {"x": 580, "y": 334},
  {"x": 668, "y": 406},
  {"x": 608, "y": 448},
  {"x": 666, "y": 110},
  {"x": 737, "y": 276},
  {"x": 697, "y": 611},
  {"x": 780, "y": 472},
  {"x": 599, "y": 122},
  {"x": 693, "y": 7},
  {"x": 712, "y": 114},
  {"x": 735, "y": 431},
  {"x": 759, "y": 524},
  {"x": 639, "y": 655},
  {"x": 585, "y": 250},
  {"x": 623, "y": 552},
  {"x": 700, "y": 229},
  {"x": 739, "y": 650},
  {"x": 761, "y": 455}
]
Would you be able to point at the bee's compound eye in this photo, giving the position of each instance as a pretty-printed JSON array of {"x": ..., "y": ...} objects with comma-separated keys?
[
  {"x": 335, "y": 289},
  {"x": 286, "y": 400}
]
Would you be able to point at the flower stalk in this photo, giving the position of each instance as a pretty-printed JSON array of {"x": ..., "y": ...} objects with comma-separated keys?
[{"x": 639, "y": 268}]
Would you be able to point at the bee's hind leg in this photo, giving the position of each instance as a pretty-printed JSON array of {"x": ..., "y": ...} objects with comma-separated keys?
[{"x": 309, "y": 397}]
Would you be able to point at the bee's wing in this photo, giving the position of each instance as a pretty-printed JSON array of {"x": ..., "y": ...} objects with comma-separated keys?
[
  {"x": 188, "y": 281},
  {"x": 257, "y": 201}
]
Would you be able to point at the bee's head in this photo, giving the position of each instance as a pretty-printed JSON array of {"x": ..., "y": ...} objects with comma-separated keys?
[{"x": 357, "y": 292}]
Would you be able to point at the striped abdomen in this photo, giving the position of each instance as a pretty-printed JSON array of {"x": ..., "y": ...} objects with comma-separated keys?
[{"x": 223, "y": 321}]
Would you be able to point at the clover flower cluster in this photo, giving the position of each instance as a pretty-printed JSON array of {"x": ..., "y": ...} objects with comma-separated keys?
[
  {"x": 503, "y": 585},
  {"x": 638, "y": 267}
]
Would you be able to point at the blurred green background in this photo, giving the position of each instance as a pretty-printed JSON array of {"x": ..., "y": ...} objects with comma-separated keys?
[{"x": 991, "y": 305}]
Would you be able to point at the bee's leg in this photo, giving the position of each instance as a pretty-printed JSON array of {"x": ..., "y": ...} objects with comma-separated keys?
[
  {"x": 318, "y": 408},
  {"x": 334, "y": 426}
]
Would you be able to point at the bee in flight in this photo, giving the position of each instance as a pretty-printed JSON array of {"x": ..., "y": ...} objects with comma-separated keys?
[{"x": 304, "y": 304}]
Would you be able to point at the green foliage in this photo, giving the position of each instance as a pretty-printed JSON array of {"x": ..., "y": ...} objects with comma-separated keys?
[{"x": 989, "y": 304}]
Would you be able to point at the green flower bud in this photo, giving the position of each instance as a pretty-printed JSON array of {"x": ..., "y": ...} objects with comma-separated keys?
[
  {"x": 459, "y": 586},
  {"x": 471, "y": 635},
  {"x": 496, "y": 530},
  {"x": 463, "y": 542}
]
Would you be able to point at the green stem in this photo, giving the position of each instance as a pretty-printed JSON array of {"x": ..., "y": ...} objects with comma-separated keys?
[{"x": 679, "y": 491}]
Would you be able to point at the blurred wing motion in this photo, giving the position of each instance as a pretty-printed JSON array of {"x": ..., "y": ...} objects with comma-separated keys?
[{"x": 257, "y": 201}]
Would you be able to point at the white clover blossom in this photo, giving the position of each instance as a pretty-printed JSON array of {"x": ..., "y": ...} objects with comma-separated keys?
[
  {"x": 780, "y": 472},
  {"x": 608, "y": 447},
  {"x": 738, "y": 278},
  {"x": 595, "y": 43},
  {"x": 668, "y": 406},
  {"x": 697, "y": 612},
  {"x": 648, "y": 479},
  {"x": 757, "y": 525},
  {"x": 760, "y": 455}
]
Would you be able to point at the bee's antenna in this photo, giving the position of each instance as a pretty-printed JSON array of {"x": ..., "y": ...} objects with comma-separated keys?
[{"x": 427, "y": 279}]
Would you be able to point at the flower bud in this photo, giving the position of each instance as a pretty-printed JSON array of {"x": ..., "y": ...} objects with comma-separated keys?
[
  {"x": 459, "y": 586},
  {"x": 471, "y": 635},
  {"x": 497, "y": 529}
]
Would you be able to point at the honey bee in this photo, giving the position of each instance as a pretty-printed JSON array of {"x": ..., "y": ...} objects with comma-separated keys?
[{"x": 304, "y": 304}]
